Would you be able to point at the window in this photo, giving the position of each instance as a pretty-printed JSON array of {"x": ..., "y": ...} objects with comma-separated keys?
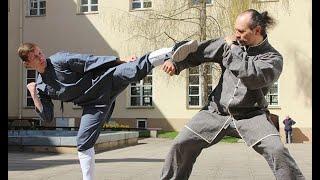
[
  {"x": 197, "y": 2},
  {"x": 36, "y": 8},
  {"x": 88, "y": 6},
  {"x": 141, "y": 92},
  {"x": 272, "y": 96},
  {"x": 141, "y": 4},
  {"x": 141, "y": 123},
  {"x": 194, "y": 89},
  {"x": 31, "y": 77}
]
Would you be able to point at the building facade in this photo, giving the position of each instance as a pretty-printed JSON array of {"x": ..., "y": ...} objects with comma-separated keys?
[{"x": 157, "y": 101}]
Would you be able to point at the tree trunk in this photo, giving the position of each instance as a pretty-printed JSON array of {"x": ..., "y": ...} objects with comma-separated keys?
[{"x": 202, "y": 69}]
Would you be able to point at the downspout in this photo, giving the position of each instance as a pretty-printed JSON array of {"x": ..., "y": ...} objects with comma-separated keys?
[{"x": 21, "y": 86}]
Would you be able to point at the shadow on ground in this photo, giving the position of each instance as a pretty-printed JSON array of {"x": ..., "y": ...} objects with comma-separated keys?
[{"x": 31, "y": 164}]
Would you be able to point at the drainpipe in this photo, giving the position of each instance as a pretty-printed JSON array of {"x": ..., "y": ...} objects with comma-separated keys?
[{"x": 21, "y": 88}]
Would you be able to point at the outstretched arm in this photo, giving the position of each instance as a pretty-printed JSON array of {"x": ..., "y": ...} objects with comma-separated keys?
[
  {"x": 33, "y": 91},
  {"x": 43, "y": 104},
  {"x": 208, "y": 51}
]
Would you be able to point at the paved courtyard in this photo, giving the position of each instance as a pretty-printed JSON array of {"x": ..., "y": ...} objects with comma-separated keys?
[{"x": 144, "y": 162}]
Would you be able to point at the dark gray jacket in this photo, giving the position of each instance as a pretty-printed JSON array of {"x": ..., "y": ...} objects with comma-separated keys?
[
  {"x": 78, "y": 78},
  {"x": 247, "y": 74}
]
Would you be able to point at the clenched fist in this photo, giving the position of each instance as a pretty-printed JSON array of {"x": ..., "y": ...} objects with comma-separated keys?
[{"x": 168, "y": 67}]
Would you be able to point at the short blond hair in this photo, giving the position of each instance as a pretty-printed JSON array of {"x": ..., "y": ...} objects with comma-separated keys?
[{"x": 24, "y": 50}]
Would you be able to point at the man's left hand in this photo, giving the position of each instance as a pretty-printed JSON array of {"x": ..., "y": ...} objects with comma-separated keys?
[
  {"x": 129, "y": 58},
  {"x": 168, "y": 67}
]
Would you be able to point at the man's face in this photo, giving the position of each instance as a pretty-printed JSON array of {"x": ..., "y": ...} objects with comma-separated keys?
[
  {"x": 36, "y": 59},
  {"x": 244, "y": 35}
]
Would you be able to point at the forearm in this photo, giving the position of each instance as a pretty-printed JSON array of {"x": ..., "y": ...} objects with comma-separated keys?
[
  {"x": 36, "y": 101},
  {"x": 208, "y": 51},
  {"x": 33, "y": 92}
]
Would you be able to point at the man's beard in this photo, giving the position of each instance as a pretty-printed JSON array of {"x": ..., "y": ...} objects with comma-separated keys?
[{"x": 241, "y": 43}]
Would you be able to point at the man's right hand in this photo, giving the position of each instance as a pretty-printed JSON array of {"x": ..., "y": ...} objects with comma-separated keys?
[
  {"x": 31, "y": 86},
  {"x": 33, "y": 92}
]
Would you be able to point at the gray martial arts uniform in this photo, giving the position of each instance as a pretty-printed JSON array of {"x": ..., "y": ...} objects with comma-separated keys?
[
  {"x": 238, "y": 99},
  {"x": 92, "y": 82}
]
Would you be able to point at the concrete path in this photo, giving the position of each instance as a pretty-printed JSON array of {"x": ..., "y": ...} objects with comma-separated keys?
[{"x": 144, "y": 162}]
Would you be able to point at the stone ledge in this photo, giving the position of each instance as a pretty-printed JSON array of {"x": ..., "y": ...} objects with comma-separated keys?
[{"x": 65, "y": 142}]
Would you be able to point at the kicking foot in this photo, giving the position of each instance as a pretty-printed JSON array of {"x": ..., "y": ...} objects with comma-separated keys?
[{"x": 182, "y": 49}]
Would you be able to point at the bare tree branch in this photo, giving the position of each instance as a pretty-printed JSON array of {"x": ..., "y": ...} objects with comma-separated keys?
[
  {"x": 216, "y": 22},
  {"x": 174, "y": 40}
]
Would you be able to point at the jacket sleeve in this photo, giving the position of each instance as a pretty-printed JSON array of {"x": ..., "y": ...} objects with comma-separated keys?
[
  {"x": 256, "y": 71},
  {"x": 82, "y": 63},
  {"x": 46, "y": 113},
  {"x": 208, "y": 51}
]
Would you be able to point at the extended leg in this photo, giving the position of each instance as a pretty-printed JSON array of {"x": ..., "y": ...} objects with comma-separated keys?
[
  {"x": 133, "y": 71},
  {"x": 186, "y": 148},
  {"x": 279, "y": 159}
]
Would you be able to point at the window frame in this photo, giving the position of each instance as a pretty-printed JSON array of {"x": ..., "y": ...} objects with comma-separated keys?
[
  {"x": 89, "y": 5},
  {"x": 28, "y": 14},
  {"x": 141, "y": 85},
  {"x": 141, "y": 120},
  {"x": 274, "y": 94},
  {"x": 141, "y": 3},
  {"x": 25, "y": 90},
  {"x": 199, "y": 85}
]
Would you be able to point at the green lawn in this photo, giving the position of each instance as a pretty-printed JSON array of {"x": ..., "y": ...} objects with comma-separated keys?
[
  {"x": 173, "y": 134},
  {"x": 167, "y": 134}
]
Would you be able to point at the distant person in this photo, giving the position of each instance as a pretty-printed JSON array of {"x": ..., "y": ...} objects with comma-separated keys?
[{"x": 288, "y": 123}]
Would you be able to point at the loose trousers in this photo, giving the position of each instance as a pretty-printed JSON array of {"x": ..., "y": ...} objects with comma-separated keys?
[
  {"x": 187, "y": 147},
  {"x": 93, "y": 116}
]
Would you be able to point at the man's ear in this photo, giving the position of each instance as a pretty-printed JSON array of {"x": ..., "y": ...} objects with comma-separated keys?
[{"x": 257, "y": 30}]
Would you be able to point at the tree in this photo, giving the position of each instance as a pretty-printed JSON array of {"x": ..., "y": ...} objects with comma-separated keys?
[{"x": 171, "y": 20}]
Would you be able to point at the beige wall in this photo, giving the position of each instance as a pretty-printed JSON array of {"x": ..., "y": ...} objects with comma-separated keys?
[
  {"x": 14, "y": 65},
  {"x": 63, "y": 29},
  {"x": 292, "y": 37}
]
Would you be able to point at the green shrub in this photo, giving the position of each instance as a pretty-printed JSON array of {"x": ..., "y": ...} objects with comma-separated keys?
[{"x": 144, "y": 133}]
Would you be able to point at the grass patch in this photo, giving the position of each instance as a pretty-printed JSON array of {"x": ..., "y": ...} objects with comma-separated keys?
[
  {"x": 167, "y": 134},
  {"x": 173, "y": 134},
  {"x": 229, "y": 139}
]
